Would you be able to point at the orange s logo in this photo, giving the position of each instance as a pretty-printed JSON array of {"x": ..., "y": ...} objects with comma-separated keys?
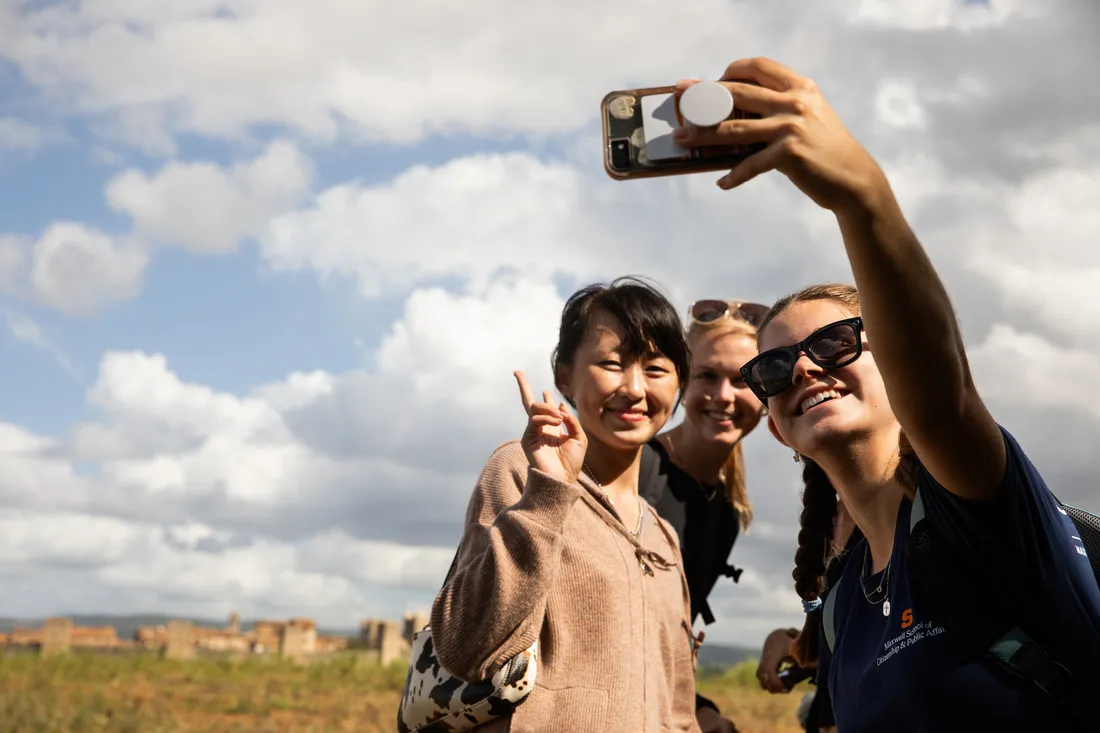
[{"x": 907, "y": 618}]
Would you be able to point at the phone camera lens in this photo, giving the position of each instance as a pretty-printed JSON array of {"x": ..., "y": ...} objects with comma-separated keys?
[{"x": 620, "y": 154}]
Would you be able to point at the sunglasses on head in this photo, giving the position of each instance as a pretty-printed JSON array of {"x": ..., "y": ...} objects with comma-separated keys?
[
  {"x": 705, "y": 312},
  {"x": 830, "y": 347}
]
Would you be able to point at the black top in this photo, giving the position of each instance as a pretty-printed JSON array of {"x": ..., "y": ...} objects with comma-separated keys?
[{"x": 703, "y": 517}]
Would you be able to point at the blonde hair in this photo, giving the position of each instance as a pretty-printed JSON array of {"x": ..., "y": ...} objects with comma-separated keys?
[{"x": 733, "y": 470}]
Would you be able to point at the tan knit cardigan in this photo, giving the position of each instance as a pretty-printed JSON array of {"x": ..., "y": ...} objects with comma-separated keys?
[{"x": 543, "y": 559}]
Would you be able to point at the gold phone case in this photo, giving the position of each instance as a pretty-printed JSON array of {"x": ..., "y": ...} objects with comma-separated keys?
[{"x": 624, "y": 141}]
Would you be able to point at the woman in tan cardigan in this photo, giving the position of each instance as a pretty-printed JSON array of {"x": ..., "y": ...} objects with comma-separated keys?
[{"x": 559, "y": 548}]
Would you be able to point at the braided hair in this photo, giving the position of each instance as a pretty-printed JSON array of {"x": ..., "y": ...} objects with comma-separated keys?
[{"x": 816, "y": 551}]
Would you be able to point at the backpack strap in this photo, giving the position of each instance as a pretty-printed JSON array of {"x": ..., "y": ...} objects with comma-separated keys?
[
  {"x": 1019, "y": 654},
  {"x": 651, "y": 485},
  {"x": 828, "y": 616},
  {"x": 834, "y": 573},
  {"x": 916, "y": 514}
]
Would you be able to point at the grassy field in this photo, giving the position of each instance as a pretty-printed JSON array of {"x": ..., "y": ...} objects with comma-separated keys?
[{"x": 82, "y": 693}]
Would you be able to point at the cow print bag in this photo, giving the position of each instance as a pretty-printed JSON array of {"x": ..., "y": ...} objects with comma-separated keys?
[{"x": 435, "y": 701}]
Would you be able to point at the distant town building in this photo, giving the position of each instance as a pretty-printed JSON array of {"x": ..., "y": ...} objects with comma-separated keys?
[{"x": 295, "y": 638}]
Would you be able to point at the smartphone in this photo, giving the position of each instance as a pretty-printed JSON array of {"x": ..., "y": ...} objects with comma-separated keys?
[
  {"x": 637, "y": 137},
  {"x": 792, "y": 675}
]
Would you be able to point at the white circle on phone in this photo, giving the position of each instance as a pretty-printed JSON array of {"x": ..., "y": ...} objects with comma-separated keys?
[{"x": 706, "y": 104}]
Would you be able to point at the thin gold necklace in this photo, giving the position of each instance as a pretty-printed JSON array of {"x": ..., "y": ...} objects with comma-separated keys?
[{"x": 611, "y": 501}]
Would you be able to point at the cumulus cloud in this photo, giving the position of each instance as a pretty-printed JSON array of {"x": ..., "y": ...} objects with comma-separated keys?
[
  {"x": 482, "y": 217},
  {"x": 72, "y": 268},
  {"x": 78, "y": 269},
  {"x": 358, "y": 71},
  {"x": 327, "y": 576},
  {"x": 343, "y": 482},
  {"x": 1027, "y": 369},
  {"x": 206, "y": 208}
]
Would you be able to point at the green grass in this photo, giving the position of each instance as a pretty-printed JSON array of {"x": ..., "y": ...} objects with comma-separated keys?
[{"x": 93, "y": 693}]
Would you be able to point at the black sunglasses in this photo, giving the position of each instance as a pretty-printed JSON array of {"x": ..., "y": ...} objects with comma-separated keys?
[{"x": 830, "y": 347}]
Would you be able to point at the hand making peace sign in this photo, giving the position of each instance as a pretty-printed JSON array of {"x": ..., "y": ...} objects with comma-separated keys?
[{"x": 554, "y": 441}]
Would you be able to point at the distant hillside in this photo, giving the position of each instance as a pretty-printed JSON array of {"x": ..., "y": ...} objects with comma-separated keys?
[
  {"x": 125, "y": 626},
  {"x": 719, "y": 655},
  {"x": 711, "y": 655}
]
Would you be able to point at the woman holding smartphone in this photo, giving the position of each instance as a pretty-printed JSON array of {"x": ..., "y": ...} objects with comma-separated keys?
[{"x": 872, "y": 391}]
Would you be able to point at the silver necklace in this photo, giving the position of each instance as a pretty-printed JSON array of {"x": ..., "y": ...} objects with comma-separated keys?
[
  {"x": 883, "y": 583},
  {"x": 612, "y": 501}
]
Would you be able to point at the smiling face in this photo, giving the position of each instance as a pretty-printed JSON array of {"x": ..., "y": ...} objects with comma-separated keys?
[
  {"x": 622, "y": 400},
  {"x": 824, "y": 409},
  {"x": 717, "y": 402}
]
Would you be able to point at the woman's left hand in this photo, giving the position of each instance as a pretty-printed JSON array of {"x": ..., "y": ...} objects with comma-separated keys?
[
  {"x": 806, "y": 141},
  {"x": 777, "y": 649}
]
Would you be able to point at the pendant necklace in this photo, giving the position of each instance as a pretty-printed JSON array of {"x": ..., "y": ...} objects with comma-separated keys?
[{"x": 883, "y": 584}]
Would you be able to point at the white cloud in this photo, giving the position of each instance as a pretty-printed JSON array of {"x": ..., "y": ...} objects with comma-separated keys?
[
  {"x": 468, "y": 217},
  {"x": 18, "y": 134},
  {"x": 215, "y": 465},
  {"x": 478, "y": 217},
  {"x": 443, "y": 379},
  {"x": 896, "y": 104},
  {"x": 1057, "y": 209},
  {"x": 71, "y": 268},
  {"x": 206, "y": 208},
  {"x": 25, "y": 329},
  {"x": 1063, "y": 300},
  {"x": 964, "y": 15},
  {"x": 297, "y": 390},
  {"x": 328, "y": 576},
  {"x": 1026, "y": 369},
  {"x": 381, "y": 72},
  {"x": 79, "y": 270}
]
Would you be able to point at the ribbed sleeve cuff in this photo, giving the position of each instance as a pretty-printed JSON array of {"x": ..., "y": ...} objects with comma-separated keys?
[{"x": 547, "y": 500}]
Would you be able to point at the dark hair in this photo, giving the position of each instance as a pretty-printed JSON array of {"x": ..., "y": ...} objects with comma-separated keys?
[
  {"x": 819, "y": 500},
  {"x": 650, "y": 323}
]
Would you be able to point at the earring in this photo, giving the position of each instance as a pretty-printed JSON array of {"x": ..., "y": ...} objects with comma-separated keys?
[{"x": 797, "y": 458}]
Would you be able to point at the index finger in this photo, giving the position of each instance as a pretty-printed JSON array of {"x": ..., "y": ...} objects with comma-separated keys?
[
  {"x": 763, "y": 71},
  {"x": 524, "y": 391}
]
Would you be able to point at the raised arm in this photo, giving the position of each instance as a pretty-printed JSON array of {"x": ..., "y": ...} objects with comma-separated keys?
[
  {"x": 919, "y": 349},
  {"x": 494, "y": 604},
  {"x": 911, "y": 326}
]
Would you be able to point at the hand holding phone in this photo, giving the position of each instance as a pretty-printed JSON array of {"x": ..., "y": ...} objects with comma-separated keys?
[{"x": 780, "y": 121}]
